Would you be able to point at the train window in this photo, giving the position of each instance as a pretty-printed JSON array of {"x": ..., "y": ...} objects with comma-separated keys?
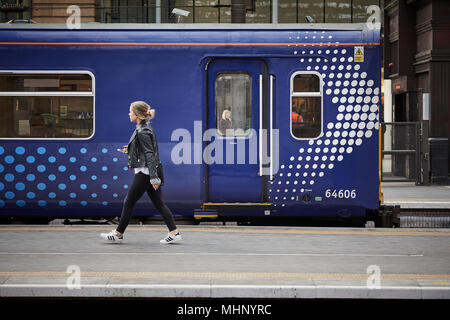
[
  {"x": 306, "y": 83},
  {"x": 45, "y": 82},
  {"x": 233, "y": 91},
  {"x": 46, "y": 105},
  {"x": 306, "y": 106}
]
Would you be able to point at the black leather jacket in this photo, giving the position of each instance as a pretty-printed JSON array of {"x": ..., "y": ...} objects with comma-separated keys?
[{"x": 143, "y": 151}]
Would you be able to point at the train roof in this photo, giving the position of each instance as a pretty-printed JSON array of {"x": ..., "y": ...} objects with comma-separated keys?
[
  {"x": 190, "y": 34},
  {"x": 196, "y": 26}
]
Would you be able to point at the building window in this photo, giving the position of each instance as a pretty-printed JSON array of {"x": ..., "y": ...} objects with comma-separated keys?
[
  {"x": 200, "y": 11},
  {"x": 46, "y": 105},
  {"x": 312, "y": 8},
  {"x": 233, "y": 92},
  {"x": 306, "y": 105},
  {"x": 14, "y": 10},
  {"x": 359, "y": 10},
  {"x": 338, "y": 11}
]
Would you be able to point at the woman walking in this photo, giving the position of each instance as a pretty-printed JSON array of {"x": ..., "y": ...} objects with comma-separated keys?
[{"x": 142, "y": 150}]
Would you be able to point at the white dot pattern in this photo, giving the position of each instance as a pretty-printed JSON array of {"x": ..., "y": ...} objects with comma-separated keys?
[{"x": 354, "y": 96}]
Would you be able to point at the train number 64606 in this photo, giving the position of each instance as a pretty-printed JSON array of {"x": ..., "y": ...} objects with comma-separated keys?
[{"x": 340, "y": 194}]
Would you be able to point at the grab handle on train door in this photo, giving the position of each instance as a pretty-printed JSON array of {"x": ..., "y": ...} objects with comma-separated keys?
[
  {"x": 271, "y": 126},
  {"x": 260, "y": 138}
]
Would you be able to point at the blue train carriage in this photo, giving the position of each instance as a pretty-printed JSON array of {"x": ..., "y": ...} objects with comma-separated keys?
[{"x": 302, "y": 137}]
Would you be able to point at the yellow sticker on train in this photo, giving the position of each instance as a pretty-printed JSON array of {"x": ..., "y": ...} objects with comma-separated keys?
[{"x": 359, "y": 54}]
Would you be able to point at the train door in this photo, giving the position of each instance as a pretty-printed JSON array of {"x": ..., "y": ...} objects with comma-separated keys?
[{"x": 236, "y": 106}]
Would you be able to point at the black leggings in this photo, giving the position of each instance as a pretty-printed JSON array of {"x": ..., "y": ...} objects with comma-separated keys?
[{"x": 140, "y": 185}]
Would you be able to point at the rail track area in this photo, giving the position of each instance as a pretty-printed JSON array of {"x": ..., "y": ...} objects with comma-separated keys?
[{"x": 417, "y": 206}]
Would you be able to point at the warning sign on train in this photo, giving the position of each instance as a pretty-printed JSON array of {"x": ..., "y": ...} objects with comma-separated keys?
[{"x": 359, "y": 54}]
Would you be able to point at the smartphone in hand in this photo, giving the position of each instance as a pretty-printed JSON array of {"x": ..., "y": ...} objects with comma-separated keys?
[{"x": 124, "y": 150}]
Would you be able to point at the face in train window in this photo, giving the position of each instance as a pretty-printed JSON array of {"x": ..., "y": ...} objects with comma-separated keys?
[
  {"x": 233, "y": 93},
  {"x": 306, "y": 106},
  {"x": 44, "y": 105}
]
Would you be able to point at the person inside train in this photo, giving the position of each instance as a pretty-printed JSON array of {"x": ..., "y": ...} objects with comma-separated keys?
[
  {"x": 297, "y": 118},
  {"x": 143, "y": 157},
  {"x": 225, "y": 122}
]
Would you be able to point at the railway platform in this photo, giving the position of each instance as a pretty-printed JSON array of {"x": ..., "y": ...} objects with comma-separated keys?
[
  {"x": 236, "y": 262},
  {"x": 409, "y": 196},
  {"x": 418, "y": 206}
]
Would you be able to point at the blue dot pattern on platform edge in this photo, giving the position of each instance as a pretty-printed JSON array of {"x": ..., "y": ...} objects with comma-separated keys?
[{"x": 40, "y": 175}]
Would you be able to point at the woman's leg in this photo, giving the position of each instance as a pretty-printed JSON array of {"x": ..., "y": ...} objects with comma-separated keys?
[
  {"x": 163, "y": 209},
  {"x": 137, "y": 189}
]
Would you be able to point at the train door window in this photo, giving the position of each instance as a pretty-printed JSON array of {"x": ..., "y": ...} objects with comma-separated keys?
[
  {"x": 233, "y": 99},
  {"x": 46, "y": 104},
  {"x": 306, "y": 105}
]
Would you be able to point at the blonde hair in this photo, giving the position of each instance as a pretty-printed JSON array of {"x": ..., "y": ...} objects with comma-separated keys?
[
  {"x": 142, "y": 110},
  {"x": 226, "y": 114}
]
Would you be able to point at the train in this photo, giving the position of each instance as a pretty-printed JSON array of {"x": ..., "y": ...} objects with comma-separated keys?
[{"x": 251, "y": 120}]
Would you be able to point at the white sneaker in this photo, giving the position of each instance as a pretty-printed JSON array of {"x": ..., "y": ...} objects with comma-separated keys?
[
  {"x": 112, "y": 236},
  {"x": 171, "y": 238}
]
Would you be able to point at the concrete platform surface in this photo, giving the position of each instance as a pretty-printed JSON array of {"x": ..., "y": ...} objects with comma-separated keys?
[
  {"x": 410, "y": 196},
  {"x": 225, "y": 262}
]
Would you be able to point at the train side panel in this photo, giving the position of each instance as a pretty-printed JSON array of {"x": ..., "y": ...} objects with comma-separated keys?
[{"x": 335, "y": 174}]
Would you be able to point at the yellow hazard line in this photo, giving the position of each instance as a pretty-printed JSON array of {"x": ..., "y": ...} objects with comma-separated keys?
[
  {"x": 227, "y": 275},
  {"x": 363, "y": 232}
]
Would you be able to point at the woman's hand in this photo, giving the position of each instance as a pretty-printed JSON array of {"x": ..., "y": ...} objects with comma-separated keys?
[
  {"x": 155, "y": 186},
  {"x": 125, "y": 149}
]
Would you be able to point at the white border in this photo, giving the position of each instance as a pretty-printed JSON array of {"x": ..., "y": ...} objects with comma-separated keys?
[
  {"x": 51, "y": 94},
  {"x": 306, "y": 94}
]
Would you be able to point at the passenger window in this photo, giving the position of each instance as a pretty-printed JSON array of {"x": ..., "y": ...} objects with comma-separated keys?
[
  {"x": 46, "y": 105},
  {"x": 306, "y": 106},
  {"x": 233, "y": 92}
]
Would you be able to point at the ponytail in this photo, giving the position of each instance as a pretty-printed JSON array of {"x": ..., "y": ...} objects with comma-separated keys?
[
  {"x": 142, "y": 109},
  {"x": 151, "y": 113}
]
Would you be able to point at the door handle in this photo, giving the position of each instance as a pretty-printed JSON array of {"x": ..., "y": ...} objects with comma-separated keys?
[
  {"x": 271, "y": 127},
  {"x": 260, "y": 123}
]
